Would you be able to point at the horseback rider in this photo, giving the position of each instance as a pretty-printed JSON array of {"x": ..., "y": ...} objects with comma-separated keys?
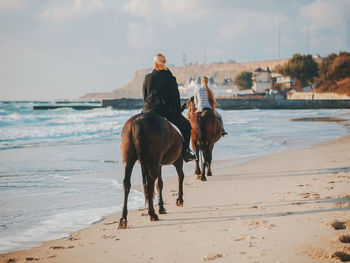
[
  {"x": 161, "y": 95},
  {"x": 204, "y": 99}
]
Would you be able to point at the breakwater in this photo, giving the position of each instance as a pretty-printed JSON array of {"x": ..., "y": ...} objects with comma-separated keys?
[
  {"x": 244, "y": 104},
  {"x": 76, "y": 107}
]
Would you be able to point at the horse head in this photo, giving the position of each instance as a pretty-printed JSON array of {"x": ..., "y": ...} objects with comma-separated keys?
[{"x": 191, "y": 108}]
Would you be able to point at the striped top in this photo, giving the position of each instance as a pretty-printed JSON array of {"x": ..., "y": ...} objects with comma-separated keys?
[{"x": 201, "y": 98}]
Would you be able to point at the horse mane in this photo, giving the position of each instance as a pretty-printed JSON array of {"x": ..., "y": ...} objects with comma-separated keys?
[{"x": 191, "y": 107}]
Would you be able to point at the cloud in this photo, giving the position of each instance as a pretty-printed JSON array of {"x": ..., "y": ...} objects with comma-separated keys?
[
  {"x": 12, "y": 4},
  {"x": 327, "y": 14},
  {"x": 160, "y": 9},
  {"x": 79, "y": 8},
  {"x": 141, "y": 8},
  {"x": 141, "y": 35}
]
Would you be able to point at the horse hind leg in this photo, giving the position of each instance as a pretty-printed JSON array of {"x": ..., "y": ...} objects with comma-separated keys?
[
  {"x": 180, "y": 173},
  {"x": 204, "y": 164},
  {"x": 197, "y": 171},
  {"x": 209, "y": 173},
  {"x": 127, "y": 167},
  {"x": 160, "y": 190},
  {"x": 150, "y": 174}
]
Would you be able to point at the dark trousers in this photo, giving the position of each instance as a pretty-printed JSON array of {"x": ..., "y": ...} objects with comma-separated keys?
[{"x": 184, "y": 126}]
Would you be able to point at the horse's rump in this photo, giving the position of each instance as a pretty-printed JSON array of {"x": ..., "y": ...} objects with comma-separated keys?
[
  {"x": 154, "y": 139},
  {"x": 148, "y": 129}
]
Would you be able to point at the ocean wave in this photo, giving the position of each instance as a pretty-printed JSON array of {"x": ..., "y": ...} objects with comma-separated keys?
[{"x": 59, "y": 225}]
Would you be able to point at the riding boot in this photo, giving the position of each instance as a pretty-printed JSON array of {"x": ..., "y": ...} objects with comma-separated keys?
[{"x": 187, "y": 154}]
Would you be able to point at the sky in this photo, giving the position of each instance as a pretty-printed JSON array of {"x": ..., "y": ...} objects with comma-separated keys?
[{"x": 56, "y": 49}]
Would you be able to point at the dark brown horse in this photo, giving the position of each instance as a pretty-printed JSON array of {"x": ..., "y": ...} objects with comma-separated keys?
[
  {"x": 206, "y": 131},
  {"x": 153, "y": 141}
]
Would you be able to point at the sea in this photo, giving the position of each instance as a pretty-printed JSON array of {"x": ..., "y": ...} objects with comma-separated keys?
[{"x": 61, "y": 170}]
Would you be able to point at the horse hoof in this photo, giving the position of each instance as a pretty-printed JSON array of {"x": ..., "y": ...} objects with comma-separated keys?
[
  {"x": 198, "y": 177},
  {"x": 203, "y": 179},
  {"x": 179, "y": 203},
  {"x": 154, "y": 217},
  {"x": 123, "y": 224},
  {"x": 210, "y": 174},
  {"x": 162, "y": 211}
]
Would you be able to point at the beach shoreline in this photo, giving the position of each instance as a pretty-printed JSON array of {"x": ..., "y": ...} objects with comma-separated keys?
[{"x": 249, "y": 212}]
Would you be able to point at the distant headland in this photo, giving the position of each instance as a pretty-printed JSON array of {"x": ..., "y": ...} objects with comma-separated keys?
[{"x": 219, "y": 71}]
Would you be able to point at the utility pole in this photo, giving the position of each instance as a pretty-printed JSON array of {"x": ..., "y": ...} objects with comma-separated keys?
[
  {"x": 279, "y": 37},
  {"x": 307, "y": 40},
  {"x": 347, "y": 35},
  {"x": 184, "y": 59}
]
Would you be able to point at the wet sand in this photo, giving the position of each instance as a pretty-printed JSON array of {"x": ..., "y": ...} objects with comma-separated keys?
[{"x": 292, "y": 206}]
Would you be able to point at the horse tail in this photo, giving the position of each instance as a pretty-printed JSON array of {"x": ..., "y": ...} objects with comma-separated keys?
[
  {"x": 201, "y": 131},
  {"x": 203, "y": 136},
  {"x": 137, "y": 136}
]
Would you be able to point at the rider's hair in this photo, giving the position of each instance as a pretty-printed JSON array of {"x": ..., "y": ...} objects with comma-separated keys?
[
  {"x": 159, "y": 62},
  {"x": 211, "y": 96}
]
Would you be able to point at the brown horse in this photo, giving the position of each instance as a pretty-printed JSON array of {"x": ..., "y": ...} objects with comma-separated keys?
[
  {"x": 206, "y": 131},
  {"x": 153, "y": 141}
]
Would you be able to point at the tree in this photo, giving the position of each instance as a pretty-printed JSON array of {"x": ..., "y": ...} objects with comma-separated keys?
[
  {"x": 244, "y": 80},
  {"x": 303, "y": 68},
  {"x": 334, "y": 74}
]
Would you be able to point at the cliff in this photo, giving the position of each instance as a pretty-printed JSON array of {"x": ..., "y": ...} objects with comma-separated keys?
[{"x": 218, "y": 71}]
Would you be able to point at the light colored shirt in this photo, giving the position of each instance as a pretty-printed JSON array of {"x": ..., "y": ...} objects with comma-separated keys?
[{"x": 201, "y": 98}]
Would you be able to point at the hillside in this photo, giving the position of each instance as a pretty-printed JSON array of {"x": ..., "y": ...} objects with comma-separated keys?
[{"x": 182, "y": 74}]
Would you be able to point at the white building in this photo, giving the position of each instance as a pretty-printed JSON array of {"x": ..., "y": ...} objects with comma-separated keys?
[
  {"x": 285, "y": 81},
  {"x": 187, "y": 90},
  {"x": 261, "y": 80}
]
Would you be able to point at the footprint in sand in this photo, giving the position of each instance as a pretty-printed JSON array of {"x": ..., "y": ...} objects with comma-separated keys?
[
  {"x": 297, "y": 203},
  {"x": 341, "y": 204},
  {"x": 244, "y": 238},
  {"x": 213, "y": 256},
  {"x": 285, "y": 213},
  {"x": 343, "y": 256},
  {"x": 109, "y": 236},
  {"x": 72, "y": 238},
  {"x": 31, "y": 259},
  {"x": 61, "y": 247},
  {"x": 337, "y": 225},
  {"x": 345, "y": 239},
  {"x": 305, "y": 195}
]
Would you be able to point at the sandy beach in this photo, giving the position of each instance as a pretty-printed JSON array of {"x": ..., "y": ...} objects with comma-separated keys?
[{"x": 286, "y": 207}]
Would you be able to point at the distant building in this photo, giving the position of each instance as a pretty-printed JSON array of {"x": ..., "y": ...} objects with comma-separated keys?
[
  {"x": 285, "y": 81},
  {"x": 261, "y": 80},
  {"x": 187, "y": 90}
]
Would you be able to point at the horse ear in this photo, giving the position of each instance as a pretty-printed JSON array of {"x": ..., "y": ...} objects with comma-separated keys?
[
  {"x": 183, "y": 107},
  {"x": 192, "y": 99}
]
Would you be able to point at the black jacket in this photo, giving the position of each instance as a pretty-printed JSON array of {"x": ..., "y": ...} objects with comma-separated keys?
[{"x": 161, "y": 94}]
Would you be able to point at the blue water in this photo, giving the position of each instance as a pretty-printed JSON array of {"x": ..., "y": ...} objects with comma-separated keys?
[{"x": 60, "y": 169}]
